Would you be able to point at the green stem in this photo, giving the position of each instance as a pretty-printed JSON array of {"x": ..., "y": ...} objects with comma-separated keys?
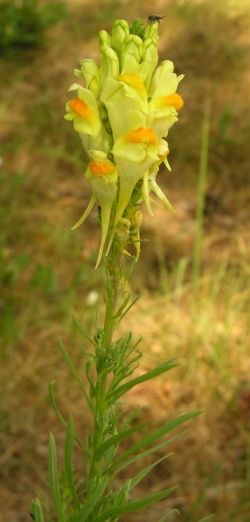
[
  {"x": 113, "y": 286},
  {"x": 103, "y": 414}
]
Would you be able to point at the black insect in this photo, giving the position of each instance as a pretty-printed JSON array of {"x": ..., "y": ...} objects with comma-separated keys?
[
  {"x": 32, "y": 516},
  {"x": 155, "y": 18}
]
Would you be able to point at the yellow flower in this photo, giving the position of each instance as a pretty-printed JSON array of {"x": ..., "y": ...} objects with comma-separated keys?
[
  {"x": 126, "y": 108},
  {"x": 102, "y": 176},
  {"x": 83, "y": 111}
]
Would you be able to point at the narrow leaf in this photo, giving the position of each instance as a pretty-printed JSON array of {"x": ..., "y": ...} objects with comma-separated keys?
[
  {"x": 144, "y": 454},
  {"x": 207, "y": 518},
  {"x": 168, "y": 514},
  {"x": 74, "y": 372},
  {"x": 162, "y": 368},
  {"x": 124, "y": 304},
  {"x": 137, "y": 478},
  {"x": 130, "y": 306},
  {"x": 37, "y": 510},
  {"x": 90, "y": 503},
  {"x": 152, "y": 437},
  {"x": 112, "y": 441},
  {"x": 68, "y": 460},
  {"x": 61, "y": 418},
  {"x": 93, "y": 391},
  {"x": 53, "y": 478},
  {"x": 82, "y": 331},
  {"x": 133, "y": 506}
]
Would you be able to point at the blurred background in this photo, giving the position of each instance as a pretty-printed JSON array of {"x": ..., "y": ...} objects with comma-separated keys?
[{"x": 195, "y": 267}]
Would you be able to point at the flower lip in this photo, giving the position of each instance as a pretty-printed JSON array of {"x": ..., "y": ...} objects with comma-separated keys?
[
  {"x": 80, "y": 108},
  {"x": 133, "y": 80},
  {"x": 174, "y": 100},
  {"x": 100, "y": 168},
  {"x": 142, "y": 135}
]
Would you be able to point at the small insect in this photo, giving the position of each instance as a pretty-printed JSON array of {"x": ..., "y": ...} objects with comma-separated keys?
[
  {"x": 152, "y": 19},
  {"x": 32, "y": 516}
]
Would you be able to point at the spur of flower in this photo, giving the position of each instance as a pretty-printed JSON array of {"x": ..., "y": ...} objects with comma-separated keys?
[{"x": 122, "y": 113}]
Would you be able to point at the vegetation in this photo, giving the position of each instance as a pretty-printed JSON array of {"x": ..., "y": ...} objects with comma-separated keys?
[
  {"x": 200, "y": 316},
  {"x": 23, "y": 24}
]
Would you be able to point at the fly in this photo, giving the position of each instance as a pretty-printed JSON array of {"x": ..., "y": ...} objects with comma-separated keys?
[{"x": 152, "y": 19}]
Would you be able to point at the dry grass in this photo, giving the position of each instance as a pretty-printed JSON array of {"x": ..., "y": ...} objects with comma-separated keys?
[{"x": 47, "y": 271}]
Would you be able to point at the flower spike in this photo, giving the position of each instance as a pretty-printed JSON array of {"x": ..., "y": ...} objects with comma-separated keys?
[{"x": 123, "y": 111}]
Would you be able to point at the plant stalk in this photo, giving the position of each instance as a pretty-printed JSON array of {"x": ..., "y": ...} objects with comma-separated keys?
[{"x": 103, "y": 413}]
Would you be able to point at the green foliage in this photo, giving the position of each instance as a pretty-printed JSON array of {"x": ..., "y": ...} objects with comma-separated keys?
[
  {"x": 101, "y": 501},
  {"x": 206, "y": 518},
  {"x": 53, "y": 478},
  {"x": 23, "y": 23},
  {"x": 45, "y": 278},
  {"x": 13, "y": 269},
  {"x": 226, "y": 128},
  {"x": 37, "y": 510},
  {"x": 12, "y": 263},
  {"x": 137, "y": 27}
]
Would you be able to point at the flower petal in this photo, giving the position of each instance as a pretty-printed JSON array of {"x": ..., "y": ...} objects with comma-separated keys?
[
  {"x": 84, "y": 111},
  {"x": 136, "y": 144},
  {"x": 102, "y": 176}
]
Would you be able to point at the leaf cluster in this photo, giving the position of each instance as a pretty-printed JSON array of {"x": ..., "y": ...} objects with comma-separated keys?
[{"x": 99, "y": 502}]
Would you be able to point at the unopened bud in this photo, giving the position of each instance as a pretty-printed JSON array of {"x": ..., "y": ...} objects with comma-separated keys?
[
  {"x": 123, "y": 229},
  {"x": 136, "y": 219}
]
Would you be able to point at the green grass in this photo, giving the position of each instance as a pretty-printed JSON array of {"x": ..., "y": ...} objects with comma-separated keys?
[{"x": 23, "y": 24}]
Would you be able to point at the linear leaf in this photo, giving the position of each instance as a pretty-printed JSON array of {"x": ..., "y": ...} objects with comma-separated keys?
[
  {"x": 123, "y": 305},
  {"x": 89, "y": 505},
  {"x": 168, "y": 514},
  {"x": 112, "y": 441},
  {"x": 133, "y": 506},
  {"x": 130, "y": 306},
  {"x": 82, "y": 331},
  {"x": 61, "y": 418},
  {"x": 53, "y": 478},
  {"x": 137, "y": 478},
  {"x": 152, "y": 437},
  {"x": 135, "y": 458},
  {"x": 93, "y": 391},
  {"x": 206, "y": 518},
  {"x": 74, "y": 372},
  {"x": 37, "y": 510},
  {"x": 162, "y": 368},
  {"x": 68, "y": 460}
]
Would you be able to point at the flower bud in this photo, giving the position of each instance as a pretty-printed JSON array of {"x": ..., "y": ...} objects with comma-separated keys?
[
  {"x": 123, "y": 229},
  {"x": 149, "y": 61},
  {"x": 90, "y": 72},
  {"x": 119, "y": 32},
  {"x": 131, "y": 53},
  {"x": 109, "y": 64}
]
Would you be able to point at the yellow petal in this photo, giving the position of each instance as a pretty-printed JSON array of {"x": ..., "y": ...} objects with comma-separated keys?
[{"x": 134, "y": 81}]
